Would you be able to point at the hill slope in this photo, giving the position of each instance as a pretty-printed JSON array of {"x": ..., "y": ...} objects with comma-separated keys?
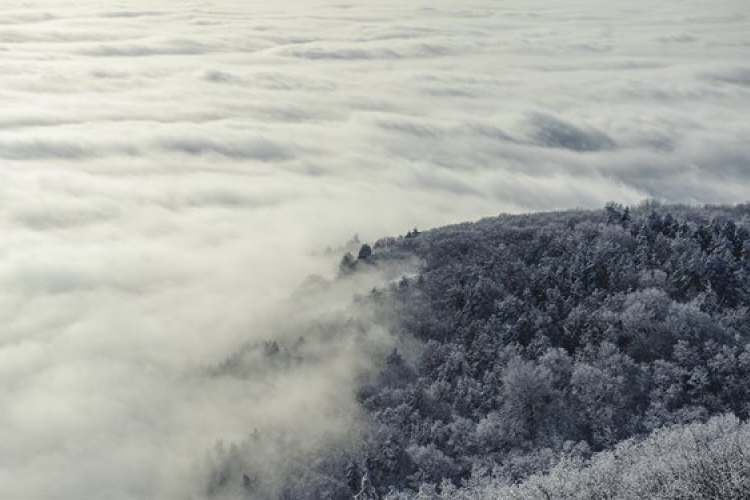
[{"x": 534, "y": 341}]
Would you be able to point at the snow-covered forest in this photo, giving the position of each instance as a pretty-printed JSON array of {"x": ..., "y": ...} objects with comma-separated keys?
[{"x": 582, "y": 354}]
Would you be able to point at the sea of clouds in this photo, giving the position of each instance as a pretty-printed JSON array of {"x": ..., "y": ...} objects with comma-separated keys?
[{"x": 171, "y": 169}]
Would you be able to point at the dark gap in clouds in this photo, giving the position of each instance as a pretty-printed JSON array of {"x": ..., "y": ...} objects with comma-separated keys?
[
  {"x": 716, "y": 19},
  {"x": 597, "y": 47},
  {"x": 286, "y": 82},
  {"x": 659, "y": 142},
  {"x": 45, "y": 219},
  {"x": 79, "y": 277},
  {"x": 20, "y": 36},
  {"x": 431, "y": 50},
  {"x": 343, "y": 53},
  {"x": 354, "y": 53},
  {"x": 411, "y": 127},
  {"x": 182, "y": 47},
  {"x": 489, "y": 131},
  {"x": 480, "y": 80},
  {"x": 397, "y": 34},
  {"x": 603, "y": 66},
  {"x": 553, "y": 132},
  {"x": 738, "y": 76},
  {"x": 226, "y": 198},
  {"x": 110, "y": 74},
  {"x": 678, "y": 38},
  {"x": 43, "y": 149},
  {"x": 251, "y": 149},
  {"x": 18, "y": 123},
  {"x": 347, "y": 19},
  {"x": 62, "y": 149},
  {"x": 369, "y": 104},
  {"x": 134, "y": 13},
  {"x": 294, "y": 114},
  {"x": 472, "y": 14},
  {"x": 26, "y": 18},
  {"x": 204, "y": 22},
  {"x": 424, "y": 129},
  {"x": 450, "y": 92},
  {"x": 282, "y": 40},
  {"x": 668, "y": 91},
  {"x": 217, "y": 76},
  {"x": 22, "y": 122}
]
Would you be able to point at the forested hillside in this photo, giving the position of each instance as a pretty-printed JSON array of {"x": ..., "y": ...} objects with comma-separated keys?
[{"x": 536, "y": 344}]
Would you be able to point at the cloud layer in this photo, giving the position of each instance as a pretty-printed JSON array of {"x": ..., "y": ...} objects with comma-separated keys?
[{"x": 168, "y": 169}]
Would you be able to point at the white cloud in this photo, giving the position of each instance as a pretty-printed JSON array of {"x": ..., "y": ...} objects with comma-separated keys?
[{"x": 168, "y": 169}]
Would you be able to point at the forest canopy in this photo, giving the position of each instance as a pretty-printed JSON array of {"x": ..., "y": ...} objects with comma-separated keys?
[{"x": 538, "y": 355}]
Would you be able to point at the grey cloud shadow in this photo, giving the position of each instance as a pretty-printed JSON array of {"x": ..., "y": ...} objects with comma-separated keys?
[
  {"x": 355, "y": 53},
  {"x": 270, "y": 81},
  {"x": 255, "y": 149},
  {"x": 62, "y": 149},
  {"x": 182, "y": 47},
  {"x": 343, "y": 53},
  {"x": 26, "y": 18},
  {"x": 411, "y": 127},
  {"x": 42, "y": 149},
  {"x": 132, "y": 14},
  {"x": 737, "y": 76},
  {"x": 217, "y": 76},
  {"x": 40, "y": 219},
  {"x": 233, "y": 200},
  {"x": 21, "y": 36},
  {"x": 552, "y": 132}
]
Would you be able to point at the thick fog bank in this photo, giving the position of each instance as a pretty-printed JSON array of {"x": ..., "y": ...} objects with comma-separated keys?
[{"x": 170, "y": 171}]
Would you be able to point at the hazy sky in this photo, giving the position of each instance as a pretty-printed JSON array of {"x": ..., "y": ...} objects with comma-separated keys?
[{"x": 168, "y": 168}]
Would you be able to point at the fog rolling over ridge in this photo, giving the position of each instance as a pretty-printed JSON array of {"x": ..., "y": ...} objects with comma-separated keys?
[{"x": 170, "y": 171}]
